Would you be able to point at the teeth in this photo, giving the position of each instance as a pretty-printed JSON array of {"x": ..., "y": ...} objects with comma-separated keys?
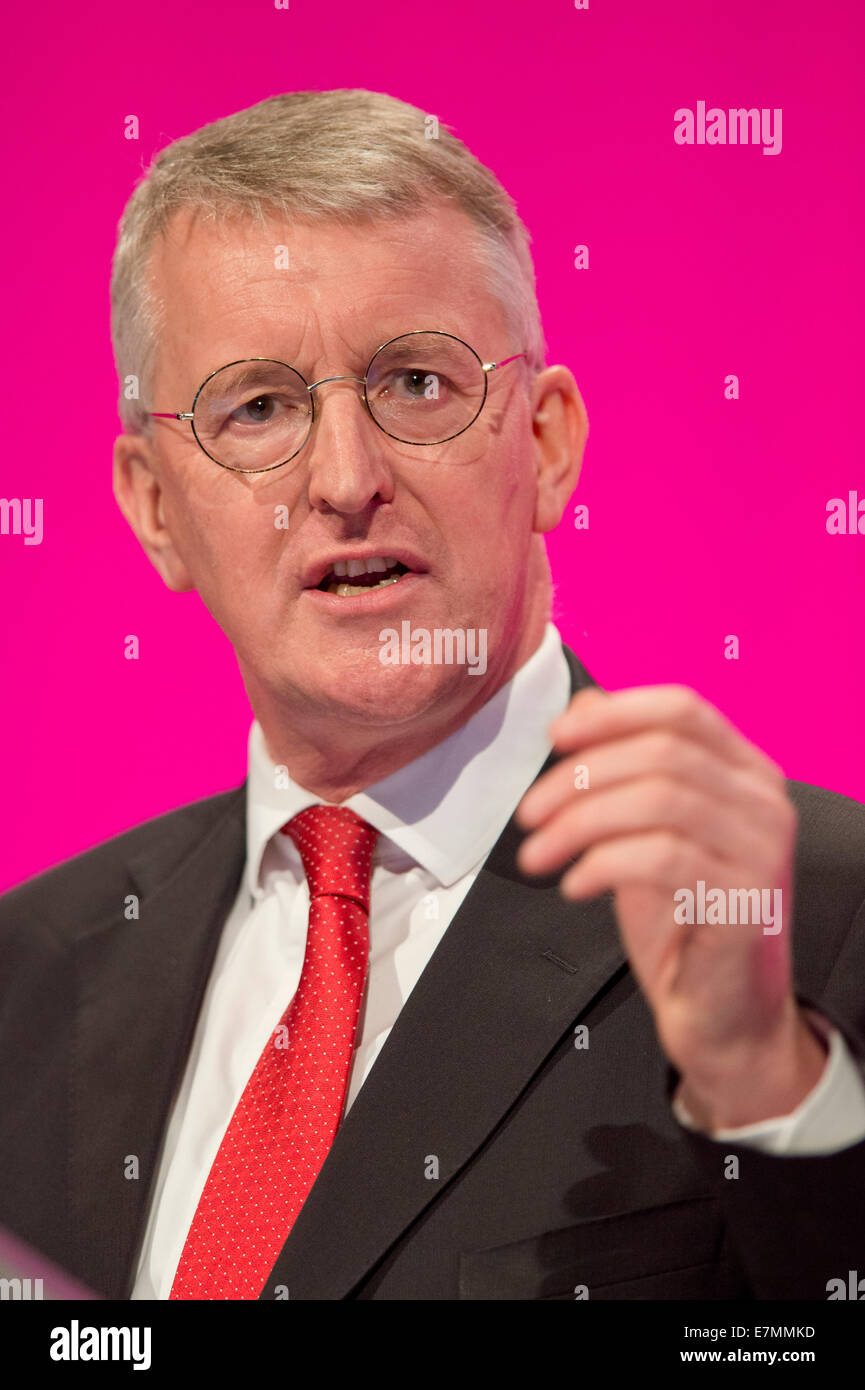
[
  {"x": 350, "y": 569},
  {"x": 349, "y": 590}
]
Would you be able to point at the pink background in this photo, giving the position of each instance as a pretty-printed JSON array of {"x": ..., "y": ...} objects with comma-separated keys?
[{"x": 707, "y": 516}]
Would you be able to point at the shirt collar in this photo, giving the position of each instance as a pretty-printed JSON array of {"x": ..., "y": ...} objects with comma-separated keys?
[{"x": 447, "y": 808}]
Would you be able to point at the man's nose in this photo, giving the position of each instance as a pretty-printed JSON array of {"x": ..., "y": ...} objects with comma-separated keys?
[{"x": 347, "y": 462}]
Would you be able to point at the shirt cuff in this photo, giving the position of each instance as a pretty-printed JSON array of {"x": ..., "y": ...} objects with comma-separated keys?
[{"x": 831, "y": 1117}]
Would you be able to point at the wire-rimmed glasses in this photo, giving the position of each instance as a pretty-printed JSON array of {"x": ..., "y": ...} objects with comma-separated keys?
[{"x": 424, "y": 387}]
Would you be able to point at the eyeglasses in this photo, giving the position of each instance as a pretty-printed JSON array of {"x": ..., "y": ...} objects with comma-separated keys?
[{"x": 424, "y": 387}]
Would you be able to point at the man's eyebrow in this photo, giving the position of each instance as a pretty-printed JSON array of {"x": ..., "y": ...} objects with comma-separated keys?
[
  {"x": 412, "y": 348},
  {"x": 253, "y": 373}
]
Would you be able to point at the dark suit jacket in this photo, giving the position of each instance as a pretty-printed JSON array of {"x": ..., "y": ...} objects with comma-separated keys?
[{"x": 557, "y": 1166}]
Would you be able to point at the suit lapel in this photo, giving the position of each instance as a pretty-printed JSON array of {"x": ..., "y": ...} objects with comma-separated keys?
[
  {"x": 512, "y": 974},
  {"x": 139, "y": 988}
]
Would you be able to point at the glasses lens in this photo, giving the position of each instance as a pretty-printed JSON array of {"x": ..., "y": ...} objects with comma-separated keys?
[
  {"x": 252, "y": 415},
  {"x": 425, "y": 388}
]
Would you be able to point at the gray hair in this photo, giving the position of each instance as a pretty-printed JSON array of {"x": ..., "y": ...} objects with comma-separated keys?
[{"x": 346, "y": 156}]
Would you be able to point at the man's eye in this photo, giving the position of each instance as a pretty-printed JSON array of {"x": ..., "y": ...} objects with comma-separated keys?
[
  {"x": 258, "y": 410},
  {"x": 267, "y": 408},
  {"x": 416, "y": 383}
]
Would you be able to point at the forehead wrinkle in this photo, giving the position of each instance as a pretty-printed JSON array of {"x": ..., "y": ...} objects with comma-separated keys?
[{"x": 358, "y": 321}]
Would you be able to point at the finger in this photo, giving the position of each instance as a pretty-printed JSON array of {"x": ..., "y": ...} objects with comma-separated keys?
[
  {"x": 658, "y": 751},
  {"x": 662, "y": 860},
  {"x": 676, "y": 707},
  {"x": 657, "y": 802}
]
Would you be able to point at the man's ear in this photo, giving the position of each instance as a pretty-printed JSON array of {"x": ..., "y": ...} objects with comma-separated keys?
[
  {"x": 560, "y": 427},
  {"x": 139, "y": 496}
]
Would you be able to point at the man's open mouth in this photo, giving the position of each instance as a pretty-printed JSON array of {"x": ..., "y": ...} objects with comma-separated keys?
[{"x": 346, "y": 578}]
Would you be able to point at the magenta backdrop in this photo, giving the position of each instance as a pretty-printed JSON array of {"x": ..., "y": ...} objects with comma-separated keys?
[{"x": 707, "y": 516}]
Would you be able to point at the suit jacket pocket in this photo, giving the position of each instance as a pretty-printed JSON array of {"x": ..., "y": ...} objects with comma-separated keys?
[{"x": 672, "y": 1251}]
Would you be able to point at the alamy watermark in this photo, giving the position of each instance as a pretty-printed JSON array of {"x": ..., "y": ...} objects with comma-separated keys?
[
  {"x": 738, "y": 126},
  {"x": 76, "y": 1343},
  {"x": 720, "y": 907},
  {"x": 21, "y": 1289},
  {"x": 444, "y": 646},
  {"x": 22, "y": 516}
]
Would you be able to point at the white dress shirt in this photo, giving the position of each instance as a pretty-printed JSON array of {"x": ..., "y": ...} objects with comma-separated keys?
[{"x": 438, "y": 818}]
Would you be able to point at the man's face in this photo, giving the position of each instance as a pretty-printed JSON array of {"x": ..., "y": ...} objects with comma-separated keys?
[{"x": 460, "y": 515}]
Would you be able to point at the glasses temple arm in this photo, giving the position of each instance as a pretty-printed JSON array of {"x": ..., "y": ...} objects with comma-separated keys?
[{"x": 493, "y": 366}]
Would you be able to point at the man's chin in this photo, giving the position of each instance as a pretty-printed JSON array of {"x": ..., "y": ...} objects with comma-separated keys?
[{"x": 389, "y": 695}]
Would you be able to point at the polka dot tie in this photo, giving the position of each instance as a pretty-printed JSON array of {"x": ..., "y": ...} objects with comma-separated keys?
[{"x": 286, "y": 1119}]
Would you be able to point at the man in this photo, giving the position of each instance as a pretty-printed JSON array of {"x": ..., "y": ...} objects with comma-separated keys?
[{"x": 346, "y": 1032}]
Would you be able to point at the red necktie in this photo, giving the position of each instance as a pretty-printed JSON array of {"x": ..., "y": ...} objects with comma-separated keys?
[{"x": 286, "y": 1119}]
